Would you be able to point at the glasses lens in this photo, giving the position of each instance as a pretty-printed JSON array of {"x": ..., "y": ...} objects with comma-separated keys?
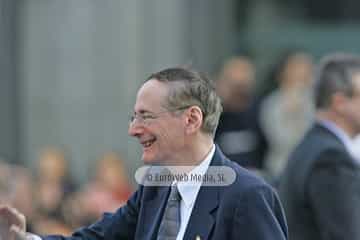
[{"x": 131, "y": 118}]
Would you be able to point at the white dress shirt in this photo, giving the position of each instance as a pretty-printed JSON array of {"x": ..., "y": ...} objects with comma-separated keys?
[
  {"x": 30, "y": 236},
  {"x": 356, "y": 143},
  {"x": 189, "y": 193},
  {"x": 342, "y": 136}
]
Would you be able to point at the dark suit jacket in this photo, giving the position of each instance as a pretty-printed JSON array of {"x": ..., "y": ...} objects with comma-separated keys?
[
  {"x": 248, "y": 209},
  {"x": 320, "y": 189}
]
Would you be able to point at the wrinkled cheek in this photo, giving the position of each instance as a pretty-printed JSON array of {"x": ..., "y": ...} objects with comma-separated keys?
[{"x": 171, "y": 139}]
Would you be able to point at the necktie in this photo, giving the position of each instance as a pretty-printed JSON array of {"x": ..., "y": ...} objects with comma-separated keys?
[{"x": 170, "y": 223}]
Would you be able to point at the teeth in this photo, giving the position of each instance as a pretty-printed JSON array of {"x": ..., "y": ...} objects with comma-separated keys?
[{"x": 147, "y": 143}]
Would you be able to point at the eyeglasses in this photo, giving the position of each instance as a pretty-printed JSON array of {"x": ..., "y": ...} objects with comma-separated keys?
[{"x": 147, "y": 117}]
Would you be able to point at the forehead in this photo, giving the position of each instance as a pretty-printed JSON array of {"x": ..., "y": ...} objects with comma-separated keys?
[{"x": 151, "y": 96}]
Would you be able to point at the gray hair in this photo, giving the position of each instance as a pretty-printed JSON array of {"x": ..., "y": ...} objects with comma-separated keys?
[
  {"x": 335, "y": 75},
  {"x": 191, "y": 88}
]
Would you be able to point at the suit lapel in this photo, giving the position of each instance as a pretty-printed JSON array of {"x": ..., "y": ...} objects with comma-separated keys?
[
  {"x": 153, "y": 211},
  {"x": 202, "y": 218}
]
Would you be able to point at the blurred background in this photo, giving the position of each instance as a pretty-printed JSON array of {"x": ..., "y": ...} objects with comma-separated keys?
[{"x": 70, "y": 70}]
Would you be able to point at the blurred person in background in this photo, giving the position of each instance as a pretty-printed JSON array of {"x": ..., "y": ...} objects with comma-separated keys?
[
  {"x": 22, "y": 196},
  {"x": 320, "y": 187},
  {"x": 53, "y": 186},
  {"x": 239, "y": 134},
  {"x": 108, "y": 190},
  {"x": 287, "y": 112},
  {"x": 16, "y": 189},
  {"x": 6, "y": 183}
]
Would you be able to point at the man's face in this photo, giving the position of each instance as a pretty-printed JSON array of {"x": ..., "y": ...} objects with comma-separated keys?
[
  {"x": 159, "y": 131},
  {"x": 237, "y": 80},
  {"x": 352, "y": 106}
]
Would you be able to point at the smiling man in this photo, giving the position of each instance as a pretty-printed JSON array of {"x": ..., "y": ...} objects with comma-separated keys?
[{"x": 175, "y": 117}]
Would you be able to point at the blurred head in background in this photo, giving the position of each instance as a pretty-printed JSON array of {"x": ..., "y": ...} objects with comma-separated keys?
[
  {"x": 52, "y": 165},
  {"x": 53, "y": 187},
  {"x": 337, "y": 91},
  {"x": 236, "y": 83},
  {"x": 294, "y": 70},
  {"x": 111, "y": 175}
]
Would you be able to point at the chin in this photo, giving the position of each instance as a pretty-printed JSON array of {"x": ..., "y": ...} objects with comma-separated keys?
[
  {"x": 152, "y": 161},
  {"x": 148, "y": 160}
]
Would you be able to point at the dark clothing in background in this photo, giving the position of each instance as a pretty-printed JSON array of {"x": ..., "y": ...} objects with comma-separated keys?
[
  {"x": 240, "y": 137},
  {"x": 320, "y": 189}
]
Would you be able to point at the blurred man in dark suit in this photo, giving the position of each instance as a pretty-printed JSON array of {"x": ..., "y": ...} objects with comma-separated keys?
[
  {"x": 239, "y": 134},
  {"x": 321, "y": 184},
  {"x": 175, "y": 118}
]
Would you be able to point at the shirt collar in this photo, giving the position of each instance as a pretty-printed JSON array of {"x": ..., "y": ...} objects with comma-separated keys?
[
  {"x": 189, "y": 191},
  {"x": 339, "y": 133}
]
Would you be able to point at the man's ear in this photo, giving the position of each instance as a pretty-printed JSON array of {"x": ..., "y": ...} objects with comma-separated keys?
[{"x": 194, "y": 119}]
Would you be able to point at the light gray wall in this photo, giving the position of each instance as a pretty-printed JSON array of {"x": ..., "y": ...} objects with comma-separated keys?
[
  {"x": 82, "y": 61},
  {"x": 8, "y": 96}
]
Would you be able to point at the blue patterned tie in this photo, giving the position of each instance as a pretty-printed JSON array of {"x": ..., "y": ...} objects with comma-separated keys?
[{"x": 170, "y": 223}]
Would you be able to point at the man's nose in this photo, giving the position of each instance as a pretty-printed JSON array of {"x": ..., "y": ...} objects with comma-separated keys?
[{"x": 134, "y": 129}]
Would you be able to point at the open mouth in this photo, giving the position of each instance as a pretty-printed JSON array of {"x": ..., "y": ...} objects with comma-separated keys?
[{"x": 148, "y": 143}]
